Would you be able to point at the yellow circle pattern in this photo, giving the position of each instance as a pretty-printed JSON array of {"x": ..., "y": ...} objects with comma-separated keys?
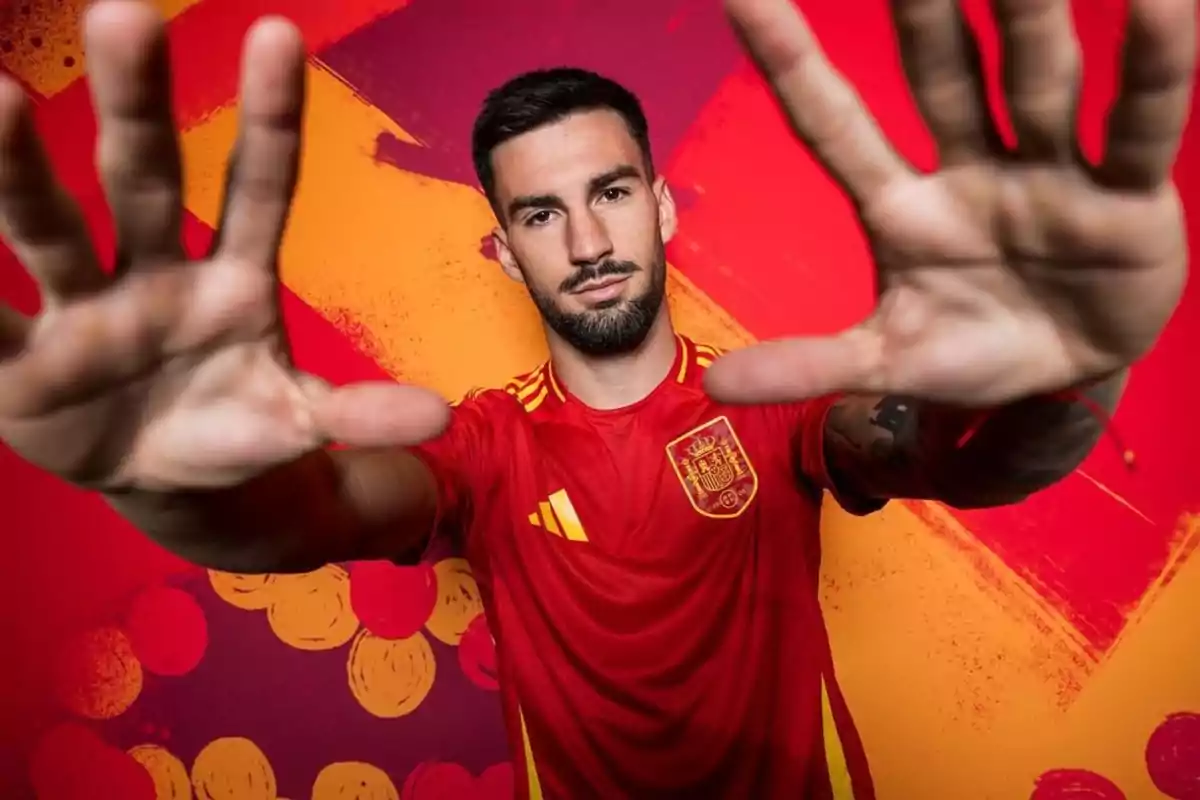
[
  {"x": 247, "y": 592},
  {"x": 458, "y": 601},
  {"x": 390, "y": 677},
  {"x": 353, "y": 780},
  {"x": 312, "y": 611},
  {"x": 170, "y": 776},
  {"x": 233, "y": 768}
]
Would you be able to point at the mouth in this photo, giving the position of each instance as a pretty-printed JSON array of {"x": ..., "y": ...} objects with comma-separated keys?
[{"x": 601, "y": 289}]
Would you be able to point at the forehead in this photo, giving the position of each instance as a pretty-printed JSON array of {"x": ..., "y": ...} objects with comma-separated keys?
[{"x": 564, "y": 155}]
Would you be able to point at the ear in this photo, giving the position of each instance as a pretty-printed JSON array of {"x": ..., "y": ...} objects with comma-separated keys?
[
  {"x": 667, "y": 219},
  {"x": 508, "y": 262}
]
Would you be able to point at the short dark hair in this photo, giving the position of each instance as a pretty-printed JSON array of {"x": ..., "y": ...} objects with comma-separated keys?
[{"x": 542, "y": 97}]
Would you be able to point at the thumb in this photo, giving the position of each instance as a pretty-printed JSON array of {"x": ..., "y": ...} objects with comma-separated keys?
[
  {"x": 789, "y": 370},
  {"x": 376, "y": 413}
]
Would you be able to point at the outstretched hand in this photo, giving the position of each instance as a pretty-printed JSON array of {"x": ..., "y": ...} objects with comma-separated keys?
[
  {"x": 1007, "y": 272},
  {"x": 167, "y": 373}
]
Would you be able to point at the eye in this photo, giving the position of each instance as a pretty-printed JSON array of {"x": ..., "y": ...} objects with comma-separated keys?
[
  {"x": 538, "y": 218},
  {"x": 613, "y": 194}
]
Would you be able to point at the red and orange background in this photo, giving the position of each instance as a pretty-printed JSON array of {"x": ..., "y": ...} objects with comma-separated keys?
[{"x": 1046, "y": 650}]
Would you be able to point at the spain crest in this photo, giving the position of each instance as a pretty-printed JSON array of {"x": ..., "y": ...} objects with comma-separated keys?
[{"x": 713, "y": 467}]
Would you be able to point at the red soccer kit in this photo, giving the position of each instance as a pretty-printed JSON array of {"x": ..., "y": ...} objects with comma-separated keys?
[{"x": 650, "y": 577}]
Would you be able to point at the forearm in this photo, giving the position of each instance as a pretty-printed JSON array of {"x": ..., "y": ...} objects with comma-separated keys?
[
  {"x": 328, "y": 506},
  {"x": 891, "y": 447}
]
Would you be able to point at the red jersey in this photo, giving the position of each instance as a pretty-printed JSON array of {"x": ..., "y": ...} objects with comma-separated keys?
[{"x": 650, "y": 577}]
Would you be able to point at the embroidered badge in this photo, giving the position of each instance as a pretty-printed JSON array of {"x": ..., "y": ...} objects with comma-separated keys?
[{"x": 714, "y": 470}]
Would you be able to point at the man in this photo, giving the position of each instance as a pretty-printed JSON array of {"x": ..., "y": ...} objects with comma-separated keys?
[{"x": 641, "y": 511}]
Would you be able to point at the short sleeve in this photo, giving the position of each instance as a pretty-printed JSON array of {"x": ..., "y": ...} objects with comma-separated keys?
[
  {"x": 459, "y": 459},
  {"x": 808, "y": 420}
]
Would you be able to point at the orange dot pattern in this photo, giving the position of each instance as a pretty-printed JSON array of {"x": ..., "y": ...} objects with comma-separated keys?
[
  {"x": 353, "y": 780},
  {"x": 312, "y": 611},
  {"x": 233, "y": 768},
  {"x": 458, "y": 601},
  {"x": 390, "y": 677},
  {"x": 99, "y": 677},
  {"x": 247, "y": 592},
  {"x": 170, "y": 776}
]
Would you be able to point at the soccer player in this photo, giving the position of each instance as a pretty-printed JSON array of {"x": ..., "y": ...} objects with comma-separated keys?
[{"x": 642, "y": 510}]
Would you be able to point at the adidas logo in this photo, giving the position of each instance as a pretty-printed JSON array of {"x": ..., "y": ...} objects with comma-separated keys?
[{"x": 557, "y": 515}]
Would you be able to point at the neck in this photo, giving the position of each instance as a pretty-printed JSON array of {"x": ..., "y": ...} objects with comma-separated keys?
[{"x": 608, "y": 382}]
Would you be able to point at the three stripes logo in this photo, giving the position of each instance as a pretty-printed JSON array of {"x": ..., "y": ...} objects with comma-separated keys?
[{"x": 557, "y": 515}]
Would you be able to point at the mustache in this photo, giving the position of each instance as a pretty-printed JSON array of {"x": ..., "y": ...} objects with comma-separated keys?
[{"x": 601, "y": 270}]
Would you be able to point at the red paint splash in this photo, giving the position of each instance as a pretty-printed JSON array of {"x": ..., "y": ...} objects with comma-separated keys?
[
  {"x": 496, "y": 783},
  {"x": 72, "y": 763},
  {"x": 1173, "y": 756},
  {"x": 477, "y": 654},
  {"x": 487, "y": 248},
  {"x": 438, "y": 781},
  {"x": 168, "y": 630},
  {"x": 391, "y": 601},
  {"x": 445, "y": 781},
  {"x": 1075, "y": 784}
]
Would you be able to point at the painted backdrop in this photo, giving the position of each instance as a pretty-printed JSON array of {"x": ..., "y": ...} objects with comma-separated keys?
[{"x": 1047, "y": 650}]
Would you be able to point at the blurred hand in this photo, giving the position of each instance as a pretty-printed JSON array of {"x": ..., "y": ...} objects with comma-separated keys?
[
  {"x": 1008, "y": 272},
  {"x": 169, "y": 373}
]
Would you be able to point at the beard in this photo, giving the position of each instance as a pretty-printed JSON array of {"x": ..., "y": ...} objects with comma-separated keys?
[{"x": 614, "y": 327}]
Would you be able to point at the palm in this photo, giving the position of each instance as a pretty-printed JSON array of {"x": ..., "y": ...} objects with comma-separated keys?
[
  {"x": 78, "y": 375},
  {"x": 1010, "y": 271},
  {"x": 167, "y": 373}
]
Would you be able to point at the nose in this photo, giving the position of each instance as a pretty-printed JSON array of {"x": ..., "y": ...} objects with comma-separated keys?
[{"x": 587, "y": 239}]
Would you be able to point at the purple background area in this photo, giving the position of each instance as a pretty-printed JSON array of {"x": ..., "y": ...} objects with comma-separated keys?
[
  {"x": 430, "y": 65},
  {"x": 296, "y": 705}
]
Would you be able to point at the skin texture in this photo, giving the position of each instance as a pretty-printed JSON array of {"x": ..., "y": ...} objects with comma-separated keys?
[{"x": 1006, "y": 276}]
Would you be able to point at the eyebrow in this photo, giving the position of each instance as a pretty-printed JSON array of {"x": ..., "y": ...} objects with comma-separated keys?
[{"x": 596, "y": 184}]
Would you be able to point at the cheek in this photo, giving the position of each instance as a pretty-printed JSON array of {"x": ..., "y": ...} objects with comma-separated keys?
[
  {"x": 635, "y": 231},
  {"x": 542, "y": 268}
]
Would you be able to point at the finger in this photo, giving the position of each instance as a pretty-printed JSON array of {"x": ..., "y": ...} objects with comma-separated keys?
[
  {"x": 137, "y": 151},
  {"x": 266, "y": 160},
  {"x": 377, "y": 414},
  {"x": 824, "y": 109},
  {"x": 944, "y": 68},
  {"x": 797, "y": 369},
  {"x": 37, "y": 219},
  {"x": 1041, "y": 75},
  {"x": 1147, "y": 121}
]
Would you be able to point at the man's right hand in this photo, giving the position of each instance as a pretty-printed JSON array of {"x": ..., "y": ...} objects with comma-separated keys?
[{"x": 166, "y": 373}]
